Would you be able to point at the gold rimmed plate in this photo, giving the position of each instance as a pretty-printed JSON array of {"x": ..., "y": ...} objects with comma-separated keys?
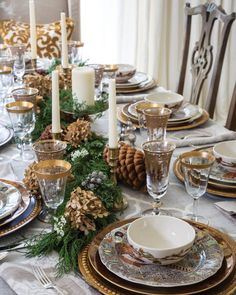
[
  {"x": 223, "y": 282},
  {"x": 25, "y": 201},
  {"x": 140, "y": 88}
]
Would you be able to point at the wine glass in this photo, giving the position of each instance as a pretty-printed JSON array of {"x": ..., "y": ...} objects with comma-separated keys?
[
  {"x": 5, "y": 82},
  {"x": 19, "y": 67},
  {"x": 157, "y": 161},
  {"x": 21, "y": 114},
  {"x": 52, "y": 178},
  {"x": 196, "y": 167}
]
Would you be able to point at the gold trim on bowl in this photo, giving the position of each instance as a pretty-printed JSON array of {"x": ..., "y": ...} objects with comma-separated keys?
[
  {"x": 223, "y": 282},
  {"x": 5, "y": 70},
  {"x": 142, "y": 105},
  {"x": 50, "y": 164},
  {"x": 25, "y": 107}
]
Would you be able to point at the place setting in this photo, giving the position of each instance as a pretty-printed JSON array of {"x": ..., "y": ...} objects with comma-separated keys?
[{"x": 183, "y": 114}]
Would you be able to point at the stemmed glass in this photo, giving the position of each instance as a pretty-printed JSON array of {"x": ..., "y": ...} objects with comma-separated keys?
[
  {"x": 196, "y": 167},
  {"x": 22, "y": 118},
  {"x": 5, "y": 82},
  {"x": 52, "y": 177},
  {"x": 157, "y": 161},
  {"x": 19, "y": 67}
]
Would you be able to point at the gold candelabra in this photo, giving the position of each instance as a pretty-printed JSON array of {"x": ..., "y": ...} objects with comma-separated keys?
[
  {"x": 34, "y": 64},
  {"x": 67, "y": 77}
]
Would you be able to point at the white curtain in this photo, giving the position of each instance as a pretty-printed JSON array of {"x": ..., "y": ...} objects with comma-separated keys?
[{"x": 149, "y": 34}]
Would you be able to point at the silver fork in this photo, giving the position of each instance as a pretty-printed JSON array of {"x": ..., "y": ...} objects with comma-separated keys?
[{"x": 41, "y": 276}]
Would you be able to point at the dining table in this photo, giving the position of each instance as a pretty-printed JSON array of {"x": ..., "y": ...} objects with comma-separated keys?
[{"x": 16, "y": 275}]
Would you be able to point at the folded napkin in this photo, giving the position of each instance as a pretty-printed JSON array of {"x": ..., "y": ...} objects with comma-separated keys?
[
  {"x": 5, "y": 288},
  {"x": 228, "y": 207},
  {"x": 195, "y": 141}
]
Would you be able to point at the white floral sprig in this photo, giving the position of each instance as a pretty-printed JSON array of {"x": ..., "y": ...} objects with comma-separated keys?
[
  {"x": 59, "y": 225},
  {"x": 79, "y": 154}
]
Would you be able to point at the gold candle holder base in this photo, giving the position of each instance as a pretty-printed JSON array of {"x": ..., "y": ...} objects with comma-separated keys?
[
  {"x": 67, "y": 77},
  {"x": 34, "y": 64},
  {"x": 56, "y": 136},
  {"x": 121, "y": 204}
]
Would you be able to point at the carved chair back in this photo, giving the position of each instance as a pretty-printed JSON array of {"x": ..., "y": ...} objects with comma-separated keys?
[
  {"x": 202, "y": 60},
  {"x": 231, "y": 119}
]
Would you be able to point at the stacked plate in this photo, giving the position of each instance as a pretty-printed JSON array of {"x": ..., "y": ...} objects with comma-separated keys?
[
  {"x": 109, "y": 265},
  {"x": 186, "y": 117},
  {"x": 5, "y": 134},
  {"x": 222, "y": 181},
  {"x": 138, "y": 83},
  {"x": 17, "y": 207}
]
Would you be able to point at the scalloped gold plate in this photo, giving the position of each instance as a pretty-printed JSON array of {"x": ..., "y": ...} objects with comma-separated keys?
[{"x": 97, "y": 275}]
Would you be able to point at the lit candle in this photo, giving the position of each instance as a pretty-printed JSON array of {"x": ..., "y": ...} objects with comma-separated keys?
[
  {"x": 33, "y": 33},
  {"x": 56, "y": 125},
  {"x": 83, "y": 83},
  {"x": 64, "y": 48},
  {"x": 112, "y": 115}
]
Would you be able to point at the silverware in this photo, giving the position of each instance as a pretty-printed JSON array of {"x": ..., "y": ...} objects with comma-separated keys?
[{"x": 41, "y": 276}]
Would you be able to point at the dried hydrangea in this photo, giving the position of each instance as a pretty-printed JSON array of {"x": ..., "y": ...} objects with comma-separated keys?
[{"x": 79, "y": 154}]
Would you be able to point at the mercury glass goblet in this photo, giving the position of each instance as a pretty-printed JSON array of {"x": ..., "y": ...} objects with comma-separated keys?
[
  {"x": 22, "y": 118},
  {"x": 157, "y": 161},
  {"x": 156, "y": 119},
  {"x": 196, "y": 168},
  {"x": 52, "y": 177},
  {"x": 49, "y": 149}
]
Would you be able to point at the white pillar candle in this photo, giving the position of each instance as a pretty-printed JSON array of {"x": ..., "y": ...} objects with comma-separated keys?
[
  {"x": 33, "y": 32},
  {"x": 56, "y": 124},
  {"x": 83, "y": 83},
  {"x": 112, "y": 115},
  {"x": 64, "y": 47}
]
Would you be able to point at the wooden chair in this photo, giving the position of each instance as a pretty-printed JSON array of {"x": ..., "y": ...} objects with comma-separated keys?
[
  {"x": 231, "y": 119},
  {"x": 202, "y": 59}
]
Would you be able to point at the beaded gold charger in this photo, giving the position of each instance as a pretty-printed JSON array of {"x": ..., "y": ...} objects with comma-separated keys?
[{"x": 97, "y": 275}]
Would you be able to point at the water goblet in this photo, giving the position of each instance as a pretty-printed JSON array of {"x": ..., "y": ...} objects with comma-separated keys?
[
  {"x": 5, "y": 82},
  {"x": 19, "y": 68},
  {"x": 196, "y": 167},
  {"x": 157, "y": 161},
  {"x": 22, "y": 117},
  {"x": 156, "y": 119},
  {"x": 52, "y": 177}
]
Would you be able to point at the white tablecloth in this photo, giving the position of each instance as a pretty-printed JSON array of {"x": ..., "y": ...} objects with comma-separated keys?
[{"x": 16, "y": 269}]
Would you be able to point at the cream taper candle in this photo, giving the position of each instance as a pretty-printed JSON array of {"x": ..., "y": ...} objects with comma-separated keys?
[
  {"x": 33, "y": 32},
  {"x": 64, "y": 46},
  {"x": 83, "y": 83},
  {"x": 112, "y": 115},
  {"x": 56, "y": 124}
]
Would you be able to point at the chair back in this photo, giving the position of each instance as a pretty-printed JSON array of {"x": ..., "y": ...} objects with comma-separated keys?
[
  {"x": 202, "y": 59},
  {"x": 231, "y": 119}
]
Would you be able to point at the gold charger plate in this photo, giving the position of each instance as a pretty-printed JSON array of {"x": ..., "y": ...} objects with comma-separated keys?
[
  {"x": 211, "y": 189},
  {"x": 198, "y": 122},
  {"x": 96, "y": 274},
  {"x": 148, "y": 86},
  {"x": 30, "y": 213},
  {"x": 23, "y": 204}
]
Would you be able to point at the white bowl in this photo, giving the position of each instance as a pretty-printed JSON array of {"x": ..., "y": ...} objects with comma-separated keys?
[
  {"x": 124, "y": 73},
  {"x": 225, "y": 153},
  {"x": 161, "y": 239},
  {"x": 166, "y": 99}
]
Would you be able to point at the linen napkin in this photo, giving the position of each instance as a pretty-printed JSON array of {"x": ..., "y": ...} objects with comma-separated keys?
[
  {"x": 5, "y": 288},
  {"x": 228, "y": 207},
  {"x": 195, "y": 141}
]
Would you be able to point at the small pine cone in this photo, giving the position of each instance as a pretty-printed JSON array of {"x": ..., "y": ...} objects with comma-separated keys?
[
  {"x": 47, "y": 133},
  {"x": 131, "y": 166},
  {"x": 81, "y": 207},
  {"x": 77, "y": 132},
  {"x": 30, "y": 179}
]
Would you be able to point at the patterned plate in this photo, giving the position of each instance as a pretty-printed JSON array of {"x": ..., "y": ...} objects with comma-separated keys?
[
  {"x": 203, "y": 261},
  {"x": 22, "y": 206},
  {"x": 139, "y": 88},
  {"x": 135, "y": 81},
  {"x": 10, "y": 198},
  {"x": 97, "y": 275},
  {"x": 6, "y": 134}
]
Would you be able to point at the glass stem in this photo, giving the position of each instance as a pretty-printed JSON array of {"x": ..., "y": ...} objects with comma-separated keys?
[
  {"x": 155, "y": 207},
  {"x": 195, "y": 209},
  {"x": 22, "y": 148}
]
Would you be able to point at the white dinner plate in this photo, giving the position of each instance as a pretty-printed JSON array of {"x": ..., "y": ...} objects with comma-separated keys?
[{"x": 135, "y": 81}]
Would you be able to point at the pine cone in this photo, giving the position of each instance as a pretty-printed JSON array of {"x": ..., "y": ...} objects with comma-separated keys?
[
  {"x": 131, "y": 166},
  {"x": 77, "y": 132},
  {"x": 42, "y": 83},
  {"x": 30, "y": 180},
  {"x": 47, "y": 133},
  {"x": 82, "y": 208}
]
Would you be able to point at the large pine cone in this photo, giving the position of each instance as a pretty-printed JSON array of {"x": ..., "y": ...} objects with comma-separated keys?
[
  {"x": 30, "y": 180},
  {"x": 77, "y": 132},
  {"x": 131, "y": 166}
]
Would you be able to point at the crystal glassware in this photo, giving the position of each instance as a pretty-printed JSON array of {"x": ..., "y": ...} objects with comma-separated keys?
[
  {"x": 19, "y": 67},
  {"x": 5, "y": 82},
  {"x": 49, "y": 149},
  {"x": 157, "y": 162},
  {"x": 156, "y": 119},
  {"x": 21, "y": 114},
  {"x": 109, "y": 72},
  {"x": 99, "y": 69},
  {"x": 196, "y": 167},
  {"x": 52, "y": 177},
  {"x": 25, "y": 94}
]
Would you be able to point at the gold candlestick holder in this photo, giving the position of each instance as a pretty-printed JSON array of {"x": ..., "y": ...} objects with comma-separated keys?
[
  {"x": 67, "y": 77},
  {"x": 34, "y": 64},
  {"x": 56, "y": 135},
  {"x": 113, "y": 154}
]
